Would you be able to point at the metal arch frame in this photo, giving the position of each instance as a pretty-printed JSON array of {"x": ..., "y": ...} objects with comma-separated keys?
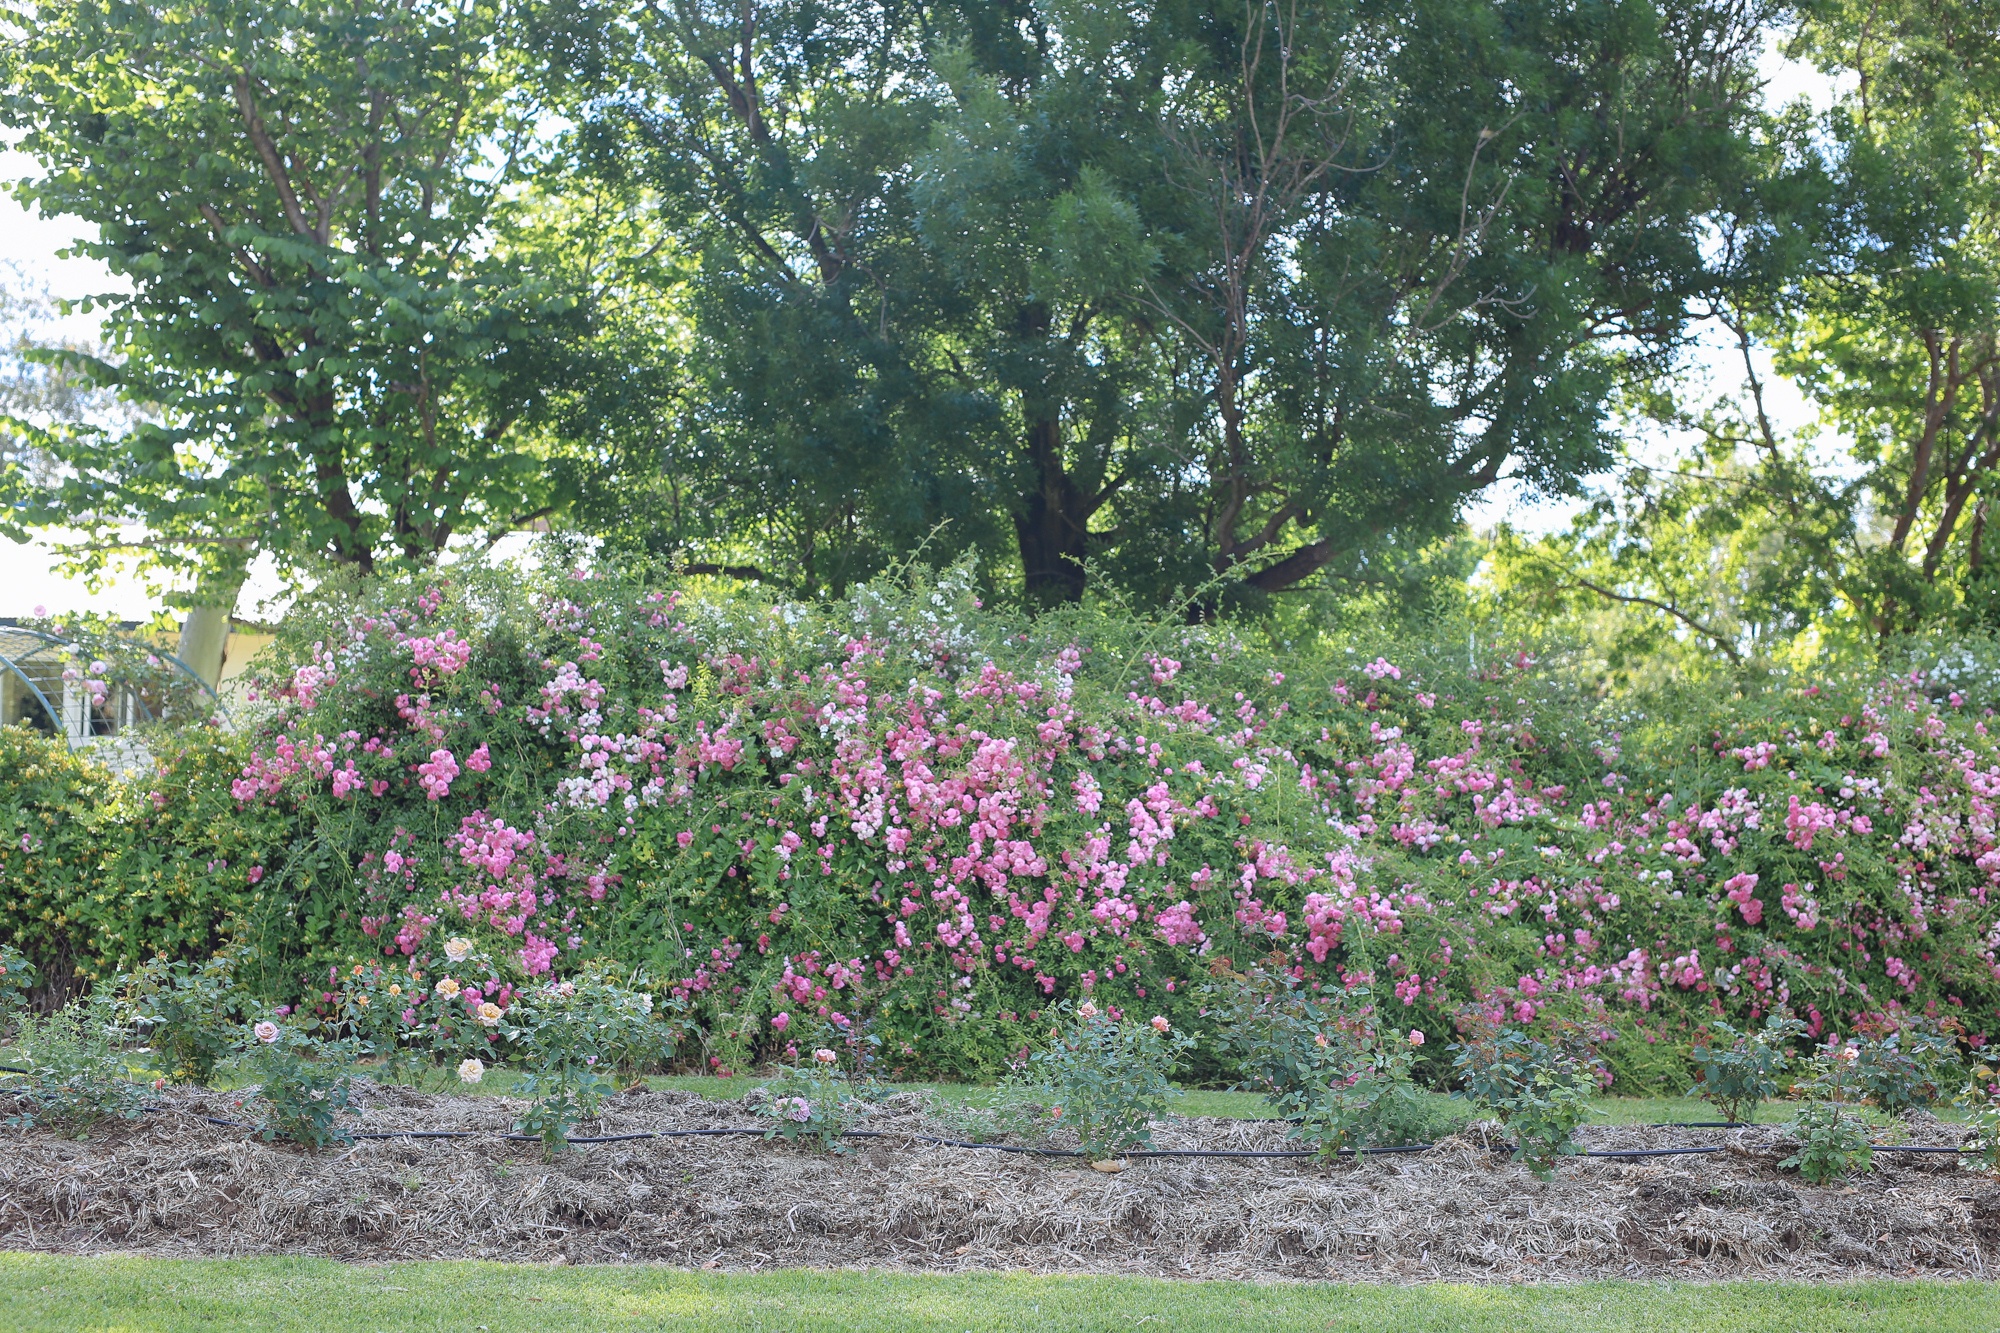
[{"x": 55, "y": 714}]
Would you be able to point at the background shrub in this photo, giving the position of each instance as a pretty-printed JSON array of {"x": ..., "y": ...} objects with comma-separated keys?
[{"x": 903, "y": 813}]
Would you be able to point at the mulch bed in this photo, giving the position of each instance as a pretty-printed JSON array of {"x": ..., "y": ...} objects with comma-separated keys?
[{"x": 171, "y": 1184}]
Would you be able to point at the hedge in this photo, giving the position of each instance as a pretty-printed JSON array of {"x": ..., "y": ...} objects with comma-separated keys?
[{"x": 935, "y": 821}]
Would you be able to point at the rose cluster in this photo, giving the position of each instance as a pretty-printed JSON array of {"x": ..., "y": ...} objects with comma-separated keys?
[{"x": 909, "y": 814}]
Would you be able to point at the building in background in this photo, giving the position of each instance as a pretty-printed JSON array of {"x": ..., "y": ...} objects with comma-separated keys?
[{"x": 42, "y": 689}]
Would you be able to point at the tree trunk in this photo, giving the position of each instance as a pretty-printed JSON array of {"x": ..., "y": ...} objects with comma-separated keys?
[
  {"x": 1053, "y": 522},
  {"x": 205, "y": 630}
]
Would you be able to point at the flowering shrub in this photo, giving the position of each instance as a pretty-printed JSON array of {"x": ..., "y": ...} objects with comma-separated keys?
[
  {"x": 302, "y": 1083},
  {"x": 1916, "y": 1066},
  {"x": 189, "y": 1015},
  {"x": 420, "y": 1030},
  {"x": 1540, "y": 1089},
  {"x": 1984, "y": 1139},
  {"x": 1106, "y": 1077},
  {"x": 570, "y": 1036},
  {"x": 903, "y": 811},
  {"x": 1833, "y": 1140},
  {"x": 1741, "y": 1069},
  {"x": 812, "y": 1099},
  {"x": 1982, "y": 1101},
  {"x": 1287, "y": 1039},
  {"x": 1376, "y": 1102},
  {"x": 77, "y": 1068},
  {"x": 1832, "y": 1143},
  {"x": 1321, "y": 1057}
]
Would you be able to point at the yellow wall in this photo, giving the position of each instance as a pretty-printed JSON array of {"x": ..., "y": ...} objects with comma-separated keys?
[{"x": 241, "y": 647}]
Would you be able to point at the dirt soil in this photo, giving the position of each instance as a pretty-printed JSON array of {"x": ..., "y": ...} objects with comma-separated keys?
[{"x": 171, "y": 1184}]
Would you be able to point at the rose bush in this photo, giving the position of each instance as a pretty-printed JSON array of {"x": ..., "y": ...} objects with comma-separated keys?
[{"x": 908, "y": 814}]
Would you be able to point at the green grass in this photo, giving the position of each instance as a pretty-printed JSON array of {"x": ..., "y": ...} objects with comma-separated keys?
[
  {"x": 1251, "y": 1106},
  {"x": 501, "y": 1081},
  {"x": 1196, "y": 1101},
  {"x": 40, "y": 1292}
]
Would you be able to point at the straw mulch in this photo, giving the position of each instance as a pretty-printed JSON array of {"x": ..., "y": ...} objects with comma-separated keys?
[{"x": 170, "y": 1184}]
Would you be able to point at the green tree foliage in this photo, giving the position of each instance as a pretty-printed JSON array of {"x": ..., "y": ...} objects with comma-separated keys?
[
  {"x": 1872, "y": 274},
  {"x": 1256, "y": 290},
  {"x": 1436, "y": 237},
  {"x": 1895, "y": 337},
  {"x": 310, "y": 206},
  {"x": 36, "y": 388}
]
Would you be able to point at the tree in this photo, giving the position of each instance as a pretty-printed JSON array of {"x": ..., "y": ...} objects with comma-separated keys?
[
  {"x": 791, "y": 425},
  {"x": 311, "y": 203},
  {"x": 1263, "y": 290},
  {"x": 1870, "y": 268},
  {"x": 37, "y": 390},
  {"x": 1434, "y": 240},
  {"x": 1897, "y": 334}
]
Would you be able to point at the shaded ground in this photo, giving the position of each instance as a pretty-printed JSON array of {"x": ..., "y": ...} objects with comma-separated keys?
[{"x": 170, "y": 1184}]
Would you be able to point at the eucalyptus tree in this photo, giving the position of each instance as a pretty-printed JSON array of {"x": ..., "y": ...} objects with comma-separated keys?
[
  {"x": 1872, "y": 258},
  {"x": 1434, "y": 240}
]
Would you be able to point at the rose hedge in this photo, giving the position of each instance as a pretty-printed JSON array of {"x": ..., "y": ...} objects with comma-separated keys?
[{"x": 905, "y": 812}]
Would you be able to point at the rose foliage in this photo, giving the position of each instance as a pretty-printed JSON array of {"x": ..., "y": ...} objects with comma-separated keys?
[{"x": 904, "y": 813}]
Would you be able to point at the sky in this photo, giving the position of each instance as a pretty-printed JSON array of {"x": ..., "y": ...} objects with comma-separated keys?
[{"x": 29, "y": 580}]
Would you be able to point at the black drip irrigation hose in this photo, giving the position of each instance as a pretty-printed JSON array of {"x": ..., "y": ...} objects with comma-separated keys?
[{"x": 1237, "y": 1153}]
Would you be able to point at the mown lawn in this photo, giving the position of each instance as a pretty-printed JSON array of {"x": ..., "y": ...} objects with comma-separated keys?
[{"x": 39, "y": 1292}]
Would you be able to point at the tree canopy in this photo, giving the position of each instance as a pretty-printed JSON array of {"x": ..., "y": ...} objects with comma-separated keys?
[
  {"x": 1253, "y": 290},
  {"x": 313, "y": 207},
  {"x": 1202, "y": 302}
]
